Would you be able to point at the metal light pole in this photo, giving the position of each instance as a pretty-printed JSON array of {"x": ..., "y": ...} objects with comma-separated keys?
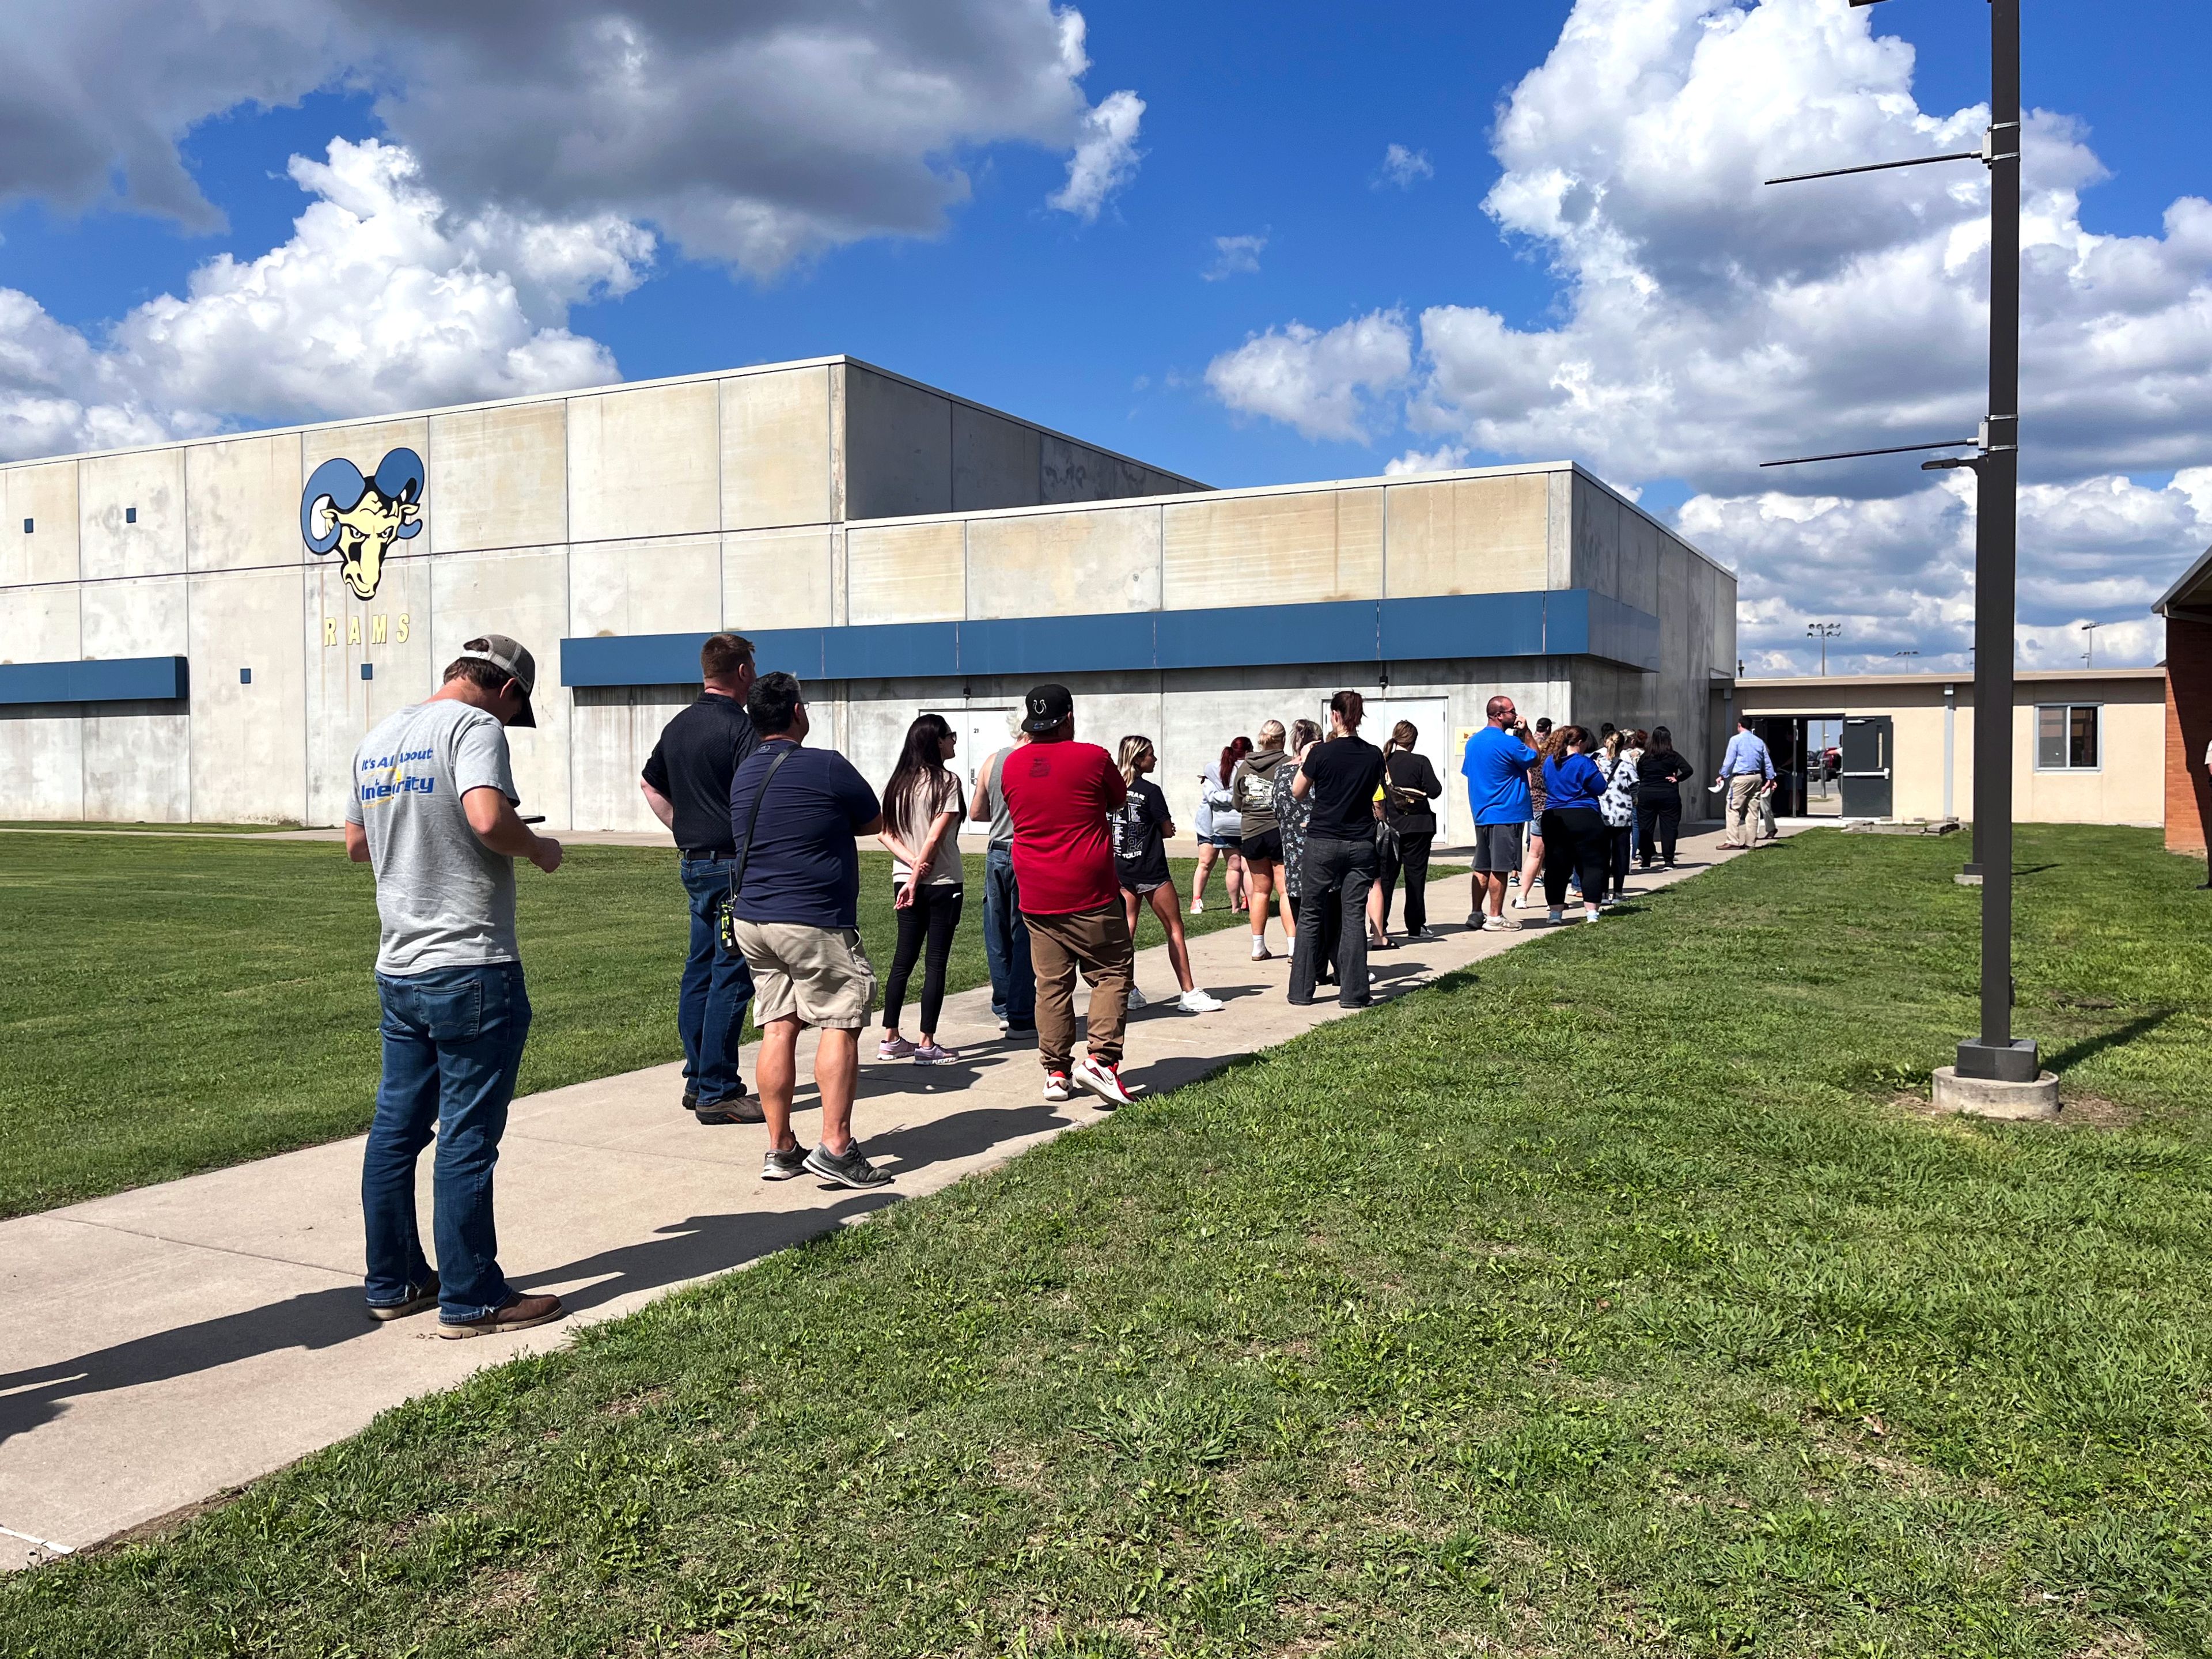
[
  {"x": 2089, "y": 645},
  {"x": 1994, "y": 1054},
  {"x": 1824, "y": 631}
]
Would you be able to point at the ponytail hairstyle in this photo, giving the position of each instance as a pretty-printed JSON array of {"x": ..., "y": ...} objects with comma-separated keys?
[
  {"x": 1238, "y": 749},
  {"x": 920, "y": 764},
  {"x": 1135, "y": 748},
  {"x": 1401, "y": 736},
  {"x": 1348, "y": 707}
]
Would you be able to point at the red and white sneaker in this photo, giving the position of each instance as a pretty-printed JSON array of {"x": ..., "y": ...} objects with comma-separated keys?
[
  {"x": 1055, "y": 1085},
  {"x": 1102, "y": 1080}
]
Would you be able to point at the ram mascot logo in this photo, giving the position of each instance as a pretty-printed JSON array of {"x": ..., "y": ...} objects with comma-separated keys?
[{"x": 362, "y": 517}]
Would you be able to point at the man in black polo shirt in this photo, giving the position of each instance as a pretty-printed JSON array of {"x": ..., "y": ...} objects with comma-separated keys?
[{"x": 687, "y": 784}]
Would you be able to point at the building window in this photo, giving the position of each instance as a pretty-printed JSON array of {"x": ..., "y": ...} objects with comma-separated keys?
[{"x": 2066, "y": 736}]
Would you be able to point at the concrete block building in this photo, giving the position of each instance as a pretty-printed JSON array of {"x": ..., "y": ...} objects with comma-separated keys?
[{"x": 203, "y": 631}]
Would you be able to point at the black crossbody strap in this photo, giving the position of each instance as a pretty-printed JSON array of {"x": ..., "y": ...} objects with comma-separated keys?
[{"x": 752, "y": 822}]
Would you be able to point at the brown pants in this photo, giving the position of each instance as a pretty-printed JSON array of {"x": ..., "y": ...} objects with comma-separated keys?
[{"x": 1097, "y": 942}]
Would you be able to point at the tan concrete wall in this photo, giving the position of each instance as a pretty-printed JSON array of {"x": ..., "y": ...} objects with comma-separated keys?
[
  {"x": 110, "y": 490},
  {"x": 498, "y": 478},
  {"x": 1300, "y": 548},
  {"x": 1469, "y": 536},
  {"x": 2128, "y": 788}
]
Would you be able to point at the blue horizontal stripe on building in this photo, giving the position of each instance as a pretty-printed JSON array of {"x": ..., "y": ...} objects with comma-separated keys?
[
  {"x": 119, "y": 679},
  {"x": 1559, "y": 622}
]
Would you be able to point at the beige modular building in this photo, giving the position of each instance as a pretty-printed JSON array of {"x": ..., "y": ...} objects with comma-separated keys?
[
  {"x": 204, "y": 630},
  {"x": 2088, "y": 747}
]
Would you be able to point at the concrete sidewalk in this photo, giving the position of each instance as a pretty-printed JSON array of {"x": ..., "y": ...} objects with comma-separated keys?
[{"x": 164, "y": 1344}]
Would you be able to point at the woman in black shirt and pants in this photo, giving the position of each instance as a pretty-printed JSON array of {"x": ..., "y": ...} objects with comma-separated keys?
[
  {"x": 1409, "y": 827},
  {"x": 1658, "y": 802}
]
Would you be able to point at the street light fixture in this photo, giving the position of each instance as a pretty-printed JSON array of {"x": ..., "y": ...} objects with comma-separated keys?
[
  {"x": 1994, "y": 1055},
  {"x": 2089, "y": 645}
]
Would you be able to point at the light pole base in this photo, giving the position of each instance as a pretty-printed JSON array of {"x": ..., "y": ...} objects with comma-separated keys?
[
  {"x": 1987, "y": 1097},
  {"x": 1966, "y": 879}
]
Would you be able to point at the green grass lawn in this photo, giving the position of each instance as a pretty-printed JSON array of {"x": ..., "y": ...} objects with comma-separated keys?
[
  {"x": 168, "y": 1006},
  {"x": 1615, "y": 1298}
]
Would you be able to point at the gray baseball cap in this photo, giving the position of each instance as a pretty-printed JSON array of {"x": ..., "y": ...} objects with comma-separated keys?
[{"x": 511, "y": 657}]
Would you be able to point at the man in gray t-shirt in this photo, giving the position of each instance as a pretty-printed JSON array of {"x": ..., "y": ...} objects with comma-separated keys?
[
  {"x": 431, "y": 809},
  {"x": 1005, "y": 935}
]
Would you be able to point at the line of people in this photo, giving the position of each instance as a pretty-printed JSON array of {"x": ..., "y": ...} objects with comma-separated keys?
[
  {"x": 1316, "y": 827},
  {"x": 1574, "y": 806}
]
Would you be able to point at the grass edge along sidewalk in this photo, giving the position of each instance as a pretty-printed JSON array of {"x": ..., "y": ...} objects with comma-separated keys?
[
  {"x": 1606, "y": 1299},
  {"x": 225, "y": 988}
]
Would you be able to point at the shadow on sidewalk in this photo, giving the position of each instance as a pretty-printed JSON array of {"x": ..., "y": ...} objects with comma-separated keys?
[{"x": 694, "y": 1248}]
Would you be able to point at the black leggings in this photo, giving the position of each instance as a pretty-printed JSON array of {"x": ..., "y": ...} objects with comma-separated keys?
[
  {"x": 1408, "y": 850},
  {"x": 1620, "y": 841},
  {"x": 933, "y": 915},
  {"x": 1576, "y": 843},
  {"x": 1659, "y": 818}
]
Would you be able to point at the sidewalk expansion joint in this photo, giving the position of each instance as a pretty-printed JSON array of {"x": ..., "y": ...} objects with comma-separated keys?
[{"x": 339, "y": 1273}]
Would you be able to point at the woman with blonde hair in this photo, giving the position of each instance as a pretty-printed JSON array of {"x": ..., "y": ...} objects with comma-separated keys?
[
  {"x": 1252, "y": 787},
  {"x": 1141, "y": 830}
]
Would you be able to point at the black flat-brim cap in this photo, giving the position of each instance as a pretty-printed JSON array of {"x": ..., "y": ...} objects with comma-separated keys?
[{"x": 1045, "y": 707}]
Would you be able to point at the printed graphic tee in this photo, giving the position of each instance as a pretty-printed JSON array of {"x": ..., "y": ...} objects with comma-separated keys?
[
  {"x": 1140, "y": 846},
  {"x": 1060, "y": 795},
  {"x": 445, "y": 899}
]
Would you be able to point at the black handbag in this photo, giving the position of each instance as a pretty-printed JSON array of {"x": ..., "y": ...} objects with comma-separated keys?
[{"x": 726, "y": 922}]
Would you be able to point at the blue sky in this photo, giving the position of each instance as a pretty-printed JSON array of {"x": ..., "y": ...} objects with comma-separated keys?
[{"x": 1272, "y": 122}]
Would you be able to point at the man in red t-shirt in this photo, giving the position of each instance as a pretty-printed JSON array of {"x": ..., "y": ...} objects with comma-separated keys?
[{"x": 1060, "y": 794}]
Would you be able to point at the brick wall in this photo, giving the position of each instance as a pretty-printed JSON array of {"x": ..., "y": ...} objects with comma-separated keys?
[{"x": 2188, "y": 730}]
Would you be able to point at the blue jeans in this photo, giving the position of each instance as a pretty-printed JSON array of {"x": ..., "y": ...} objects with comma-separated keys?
[
  {"x": 452, "y": 1043},
  {"x": 1007, "y": 943},
  {"x": 710, "y": 1010}
]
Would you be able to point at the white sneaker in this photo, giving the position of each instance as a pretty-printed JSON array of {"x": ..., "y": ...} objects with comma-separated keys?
[
  {"x": 1259, "y": 950},
  {"x": 1198, "y": 906},
  {"x": 1590, "y": 914},
  {"x": 1493, "y": 925},
  {"x": 1101, "y": 1079},
  {"x": 1005, "y": 1024},
  {"x": 1197, "y": 1002},
  {"x": 1136, "y": 997},
  {"x": 1056, "y": 1086}
]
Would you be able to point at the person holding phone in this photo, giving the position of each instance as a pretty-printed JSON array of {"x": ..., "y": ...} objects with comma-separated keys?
[{"x": 922, "y": 831}]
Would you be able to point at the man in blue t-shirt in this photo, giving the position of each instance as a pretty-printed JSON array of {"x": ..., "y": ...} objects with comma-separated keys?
[
  {"x": 793, "y": 814},
  {"x": 1496, "y": 767}
]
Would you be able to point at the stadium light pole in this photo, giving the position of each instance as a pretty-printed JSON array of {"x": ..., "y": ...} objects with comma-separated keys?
[
  {"x": 1824, "y": 631},
  {"x": 1994, "y": 1054}
]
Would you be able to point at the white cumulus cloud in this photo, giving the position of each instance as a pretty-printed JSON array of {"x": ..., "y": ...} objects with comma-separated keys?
[
  {"x": 1105, "y": 159},
  {"x": 1234, "y": 256},
  {"x": 759, "y": 135},
  {"x": 1705, "y": 322},
  {"x": 1320, "y": 383},
  {"x": 381, "y": 299},
  {"x": 1405, "y": 167}
]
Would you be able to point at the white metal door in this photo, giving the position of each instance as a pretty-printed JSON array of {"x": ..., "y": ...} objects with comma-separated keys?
[{"x": 1433, "y": 737}]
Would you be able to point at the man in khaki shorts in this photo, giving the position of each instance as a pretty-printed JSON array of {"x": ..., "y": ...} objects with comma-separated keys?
[{"x": 794, "y": 813}]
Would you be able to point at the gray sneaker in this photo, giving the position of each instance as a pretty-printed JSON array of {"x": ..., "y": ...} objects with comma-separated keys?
[
  {"x": 851, "y": 1170},
  {"x": 781, "y": 1165}
]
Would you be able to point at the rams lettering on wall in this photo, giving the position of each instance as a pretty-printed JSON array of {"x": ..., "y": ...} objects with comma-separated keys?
[{"x": 362, "y": 517}]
